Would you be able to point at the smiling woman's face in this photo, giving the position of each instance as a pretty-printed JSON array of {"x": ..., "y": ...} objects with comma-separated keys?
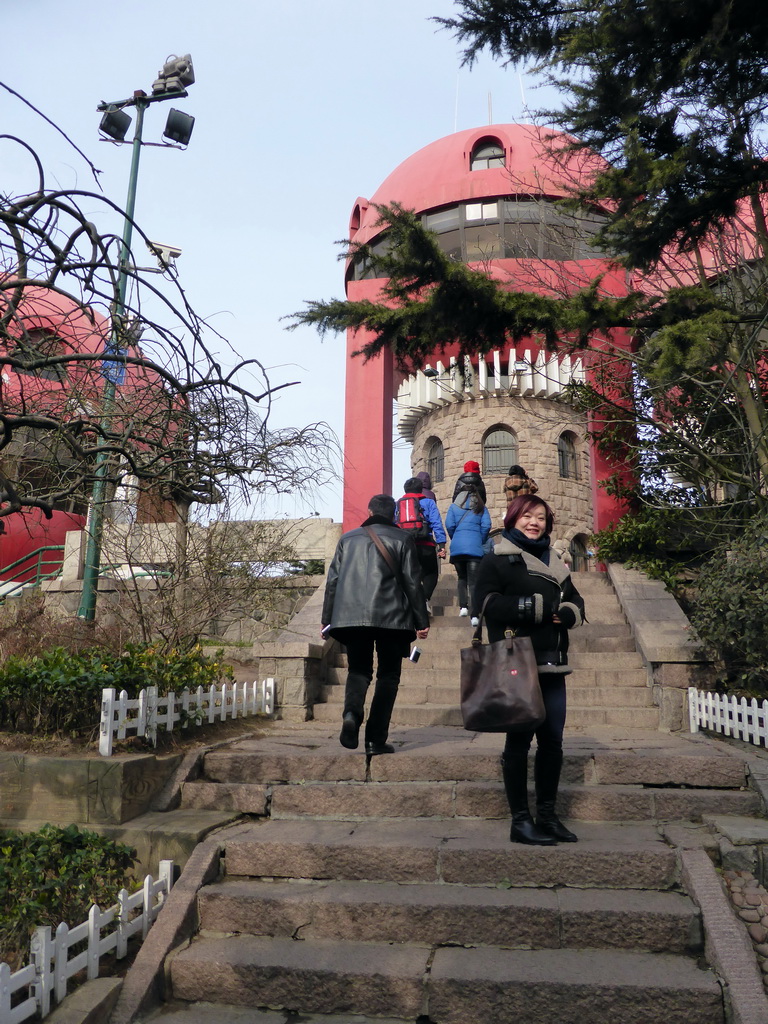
[{"x": 532, "y": 523}]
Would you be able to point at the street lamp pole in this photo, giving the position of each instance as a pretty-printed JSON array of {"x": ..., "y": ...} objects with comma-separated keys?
[
  {"x": 170, "y": 85},
  {"x": 113, "y": 373}
]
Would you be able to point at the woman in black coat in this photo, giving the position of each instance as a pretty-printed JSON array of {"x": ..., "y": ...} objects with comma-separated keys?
[
  {"x": 530, "y": 592},
  {"x": 470, "y": 477}
]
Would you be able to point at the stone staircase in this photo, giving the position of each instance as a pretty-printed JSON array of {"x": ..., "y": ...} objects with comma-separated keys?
[
  {"x": 387, "y": 887},
  {"x": 608, "y": 686},
  {"x": 358, "y": 889}
]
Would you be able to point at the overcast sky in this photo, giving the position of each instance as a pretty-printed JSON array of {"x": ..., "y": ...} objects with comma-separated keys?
[{"x": 301, "y": 106}]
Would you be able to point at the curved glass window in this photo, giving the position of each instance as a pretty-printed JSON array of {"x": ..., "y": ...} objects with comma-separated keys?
[
  {"x": 566, "y": 457},
  {"x": 507, "y": 227},
  {"x": 436, "y": 460},
  {"x": 39, "y": 344},
  {"x": 499, "y": 450},
  {"x": 487, "y": 153}
]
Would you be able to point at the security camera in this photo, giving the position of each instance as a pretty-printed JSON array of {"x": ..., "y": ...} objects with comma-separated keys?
[{"x": 166, "y": 254}]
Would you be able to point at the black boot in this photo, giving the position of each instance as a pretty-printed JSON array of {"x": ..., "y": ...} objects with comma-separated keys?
[
  {"x": 514, "y": 768},
  {"x": 546, "y": 774},
  {"x": 350, "y": 728}
]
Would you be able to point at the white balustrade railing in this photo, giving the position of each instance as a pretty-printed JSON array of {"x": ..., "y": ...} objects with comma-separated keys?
[
  {"x": 31, "y": 991},
  {"x": 143, "y": 715},
  {"x": 742, "y": 718},
  {"x": 498, "y": 373}
]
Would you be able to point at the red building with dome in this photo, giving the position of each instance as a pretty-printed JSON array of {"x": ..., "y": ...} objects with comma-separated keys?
[
  {"x": 491, "y": 195},
  {"x": 64, "y": 344}
]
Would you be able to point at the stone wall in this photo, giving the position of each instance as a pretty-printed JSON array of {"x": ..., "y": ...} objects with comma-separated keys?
[
  {"x": 233, "y": 621},
  {"x": 90, "y": 790},
  {"x": 669, "y": 647},
  {"x": 537, "y": 424}
]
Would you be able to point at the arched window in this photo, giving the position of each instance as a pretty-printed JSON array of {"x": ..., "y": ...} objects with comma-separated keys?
[
  {"x": 435, "y": 460},
  {"x": 499, "y": 450},
  {"x": 487, "y": 153},
  {"x": 579, "y": 556},
  {"x": 566, "y": 456}
]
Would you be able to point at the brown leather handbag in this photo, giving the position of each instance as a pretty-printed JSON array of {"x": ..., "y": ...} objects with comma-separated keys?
[{"x": 500, "y": 689}]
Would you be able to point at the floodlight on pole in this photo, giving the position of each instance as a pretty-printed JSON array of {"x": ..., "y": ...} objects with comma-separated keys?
[
  {"x": 115, "y": 123},
  {"x": 171, "y": 83},
  {"x": 178, "y": 127}
]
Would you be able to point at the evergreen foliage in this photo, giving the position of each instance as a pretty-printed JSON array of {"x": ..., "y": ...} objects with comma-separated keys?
[
  {"x": 59, "y": 692},
  {"x": 731, "y": 614},
  {"x": 55, "y": 874}
]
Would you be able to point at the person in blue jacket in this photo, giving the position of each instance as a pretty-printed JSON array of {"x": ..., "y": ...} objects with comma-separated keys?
[
  {"x": 428, "y": 534},
  {"x": 468, "y": 524}
]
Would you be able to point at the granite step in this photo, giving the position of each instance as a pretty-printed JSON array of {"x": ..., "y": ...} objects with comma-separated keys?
[
  {"x": 435, "y": 690},
  {"x": 424, "y": 715},
  {"x": 453, "y": 915},
  {"x": 423, "y": 674},
  {"x": 453, "y": 986},
  {"x": 248, "y": 762},
  {"x": 437, "y": 652},
  {"x": 451, "y": 851},
  {"x": 354, "y": 801},
  {"x": 619, "y": 661},
  {"x": 176, "y": 1011},
  {"x": 450, "y": 625}
]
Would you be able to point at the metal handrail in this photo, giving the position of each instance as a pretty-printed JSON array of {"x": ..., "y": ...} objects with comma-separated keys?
[{"x": 24, "y": 566}]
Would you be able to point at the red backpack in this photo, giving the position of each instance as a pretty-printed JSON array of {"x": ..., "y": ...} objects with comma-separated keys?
[{"x": 410, "y": 517}]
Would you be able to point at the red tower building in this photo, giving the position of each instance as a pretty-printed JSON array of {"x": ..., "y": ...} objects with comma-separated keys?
[{"x": 491, "y": 195}]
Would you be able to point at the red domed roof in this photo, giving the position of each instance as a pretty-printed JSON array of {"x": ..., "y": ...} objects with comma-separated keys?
[{"x": 439, "y": 174}]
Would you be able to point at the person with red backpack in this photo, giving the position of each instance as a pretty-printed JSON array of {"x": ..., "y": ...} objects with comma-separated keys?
[{"x": 420, "y": 516}]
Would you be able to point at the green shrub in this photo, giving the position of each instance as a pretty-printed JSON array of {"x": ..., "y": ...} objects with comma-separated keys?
[
  {"x": 665, "y": 542},
  {"x": 54, "y": 875},
  {"x": 731, "y": 608},
  {"x": 59, "y": 692}
]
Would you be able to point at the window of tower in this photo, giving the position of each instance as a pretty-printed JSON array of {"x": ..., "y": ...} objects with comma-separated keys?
[
  {"x": 361, "y": 267},
  {"x": 435, "y": 460},
  {"x": 513, "y": 228},
  {"x": 499, "y": 450},
  {"x": 487, "y": 153},
  {"x": 566, "y": 457},
  {"x": 510, "y": 227}
]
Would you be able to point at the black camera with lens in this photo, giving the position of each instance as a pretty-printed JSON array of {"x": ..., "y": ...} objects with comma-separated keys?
[{"x": 530, "y": 610}]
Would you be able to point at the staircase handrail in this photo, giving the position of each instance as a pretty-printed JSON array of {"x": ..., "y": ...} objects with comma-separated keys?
[{"x": 40, "y": 576}]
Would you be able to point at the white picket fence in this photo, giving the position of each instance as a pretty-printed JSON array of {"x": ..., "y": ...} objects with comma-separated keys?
[
  {"x": 30, "y": 991},
  {"x": 143, "y": 715},
  {"x": 733, "y": 716}
]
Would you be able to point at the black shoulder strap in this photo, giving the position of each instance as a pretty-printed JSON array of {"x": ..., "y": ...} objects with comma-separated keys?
[{"x": 384, "y": 553}]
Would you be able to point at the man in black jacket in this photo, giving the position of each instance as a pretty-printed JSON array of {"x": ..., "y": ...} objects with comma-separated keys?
[{"x": 374, "y": 600}]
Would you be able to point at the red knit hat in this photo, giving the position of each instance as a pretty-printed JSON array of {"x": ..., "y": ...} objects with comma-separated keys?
[{"x": 471, "y": 467}]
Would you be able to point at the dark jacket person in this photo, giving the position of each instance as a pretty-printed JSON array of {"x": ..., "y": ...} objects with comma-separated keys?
[
  {"x": 530, "y": 592},
  {"x": 370, "y": 605}
]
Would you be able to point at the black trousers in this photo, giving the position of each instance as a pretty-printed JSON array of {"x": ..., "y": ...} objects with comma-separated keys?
[
  {"x": 427, "y": 555},
  {"x": 391, "y": 646},
  {"x": 549, "y": 735},
  {"x": 466, "y": 569}
]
